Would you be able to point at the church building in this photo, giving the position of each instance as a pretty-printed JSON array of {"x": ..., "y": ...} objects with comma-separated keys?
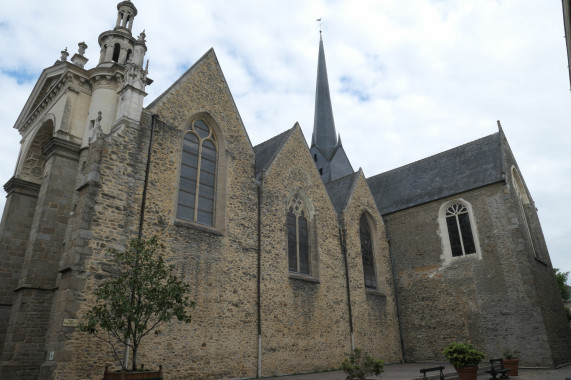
[{"x": 292, "y": 255}]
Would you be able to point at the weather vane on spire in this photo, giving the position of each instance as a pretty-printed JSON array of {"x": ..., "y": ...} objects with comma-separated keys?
[{"x": 320, "y": 23}]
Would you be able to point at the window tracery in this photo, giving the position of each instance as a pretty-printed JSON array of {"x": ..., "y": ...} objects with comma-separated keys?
[
  {"x": 298, "y": 236},
  {"x": 460, "y": 230},
  {"x": 197, "y": 185}
]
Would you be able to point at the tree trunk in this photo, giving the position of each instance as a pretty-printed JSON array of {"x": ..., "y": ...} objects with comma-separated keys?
[{"x": 134, "y": 358}]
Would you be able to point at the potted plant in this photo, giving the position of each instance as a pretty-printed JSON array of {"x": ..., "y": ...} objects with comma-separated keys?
[
  {"x": 465, "y": 359},
  {"x": 359, "y": 365},
  {"x": 511, "y": 361},
  {"x": 135, "y": 301}
]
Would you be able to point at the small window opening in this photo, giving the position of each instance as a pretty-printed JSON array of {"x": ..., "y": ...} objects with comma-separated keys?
[
  {"x": 321, "y": 171},
  {"x": 116, "y": 51},
  {"x": 129, "y": 52},
  {"x": 315, "y": 157}
]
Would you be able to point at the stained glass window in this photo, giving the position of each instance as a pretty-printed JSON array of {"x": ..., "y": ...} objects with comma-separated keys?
[
  {"x": 298, "y": 237},
  {"x": 367, "y": 254},
  {"x": 197, "y": 185}
]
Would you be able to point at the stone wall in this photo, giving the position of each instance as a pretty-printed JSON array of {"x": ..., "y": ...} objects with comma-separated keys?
[
  {"x": 305, "y": 320},
  {"x": 536, "y": 267},
  {"x": 374, "y": 313},
  {"x": 495, "y": 302}
]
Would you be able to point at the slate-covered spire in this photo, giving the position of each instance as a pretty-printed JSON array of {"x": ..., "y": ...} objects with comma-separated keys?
[
  {"x": 326, "y": 148},
  {"x": 324, "y": 135}
]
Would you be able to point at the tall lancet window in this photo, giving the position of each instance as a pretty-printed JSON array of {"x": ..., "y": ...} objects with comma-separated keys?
[
  {"x": 460, "y": 230},
  {"x": 298, "y": 236},
  {"x": 367, "y": 254},
  {"x": 197, "y": 186}
]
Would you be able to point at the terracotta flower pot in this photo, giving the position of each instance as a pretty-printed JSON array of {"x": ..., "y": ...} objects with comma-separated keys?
[
  {"x": 468, "y": 373},
  {"x": 512, "y": 364}
]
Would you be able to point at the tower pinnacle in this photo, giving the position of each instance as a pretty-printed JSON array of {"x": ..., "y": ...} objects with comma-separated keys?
[
  {"x": 119, "y": 45},
  {"x": 326, "y": 148},
  {"x": 324, "y": 135}
]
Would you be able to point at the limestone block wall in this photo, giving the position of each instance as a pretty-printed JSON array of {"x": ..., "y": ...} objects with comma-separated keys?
[
  {"x": 105, "y": 210},
  {"x": 375, "y": 322},
  {"x": 492, "y": 301},
  {"x": 220, "y": 261},
  {"x": 537, "y": 266},
  {"x": 305, "y": 320},
  {"x": 14, "y": 233}
]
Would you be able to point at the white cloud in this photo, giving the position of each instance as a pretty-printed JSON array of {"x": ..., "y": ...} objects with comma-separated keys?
[{"x": 435, "y": 74}]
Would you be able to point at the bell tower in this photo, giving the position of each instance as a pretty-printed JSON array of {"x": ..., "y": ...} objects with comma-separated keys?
[{"x": 72, "y": 113}]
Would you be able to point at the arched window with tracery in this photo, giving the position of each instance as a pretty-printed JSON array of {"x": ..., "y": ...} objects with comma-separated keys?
[
  {"x": 367, "y": 253},
  {"x": 197, "y": 185},
  {"x": 298, "y": 236},
  {"x": 460, "y": 230}
]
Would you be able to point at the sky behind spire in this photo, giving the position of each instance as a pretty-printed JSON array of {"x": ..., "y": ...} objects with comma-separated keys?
[
  {"x": 324, "y": 134},
  {"x": 405, "y": 82}
]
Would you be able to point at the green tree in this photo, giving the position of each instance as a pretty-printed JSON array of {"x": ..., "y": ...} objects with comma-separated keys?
[
  {"x": 143, "y": 296},
  {"x": 561, "y": 278},
  {"x": 359, "y": 365}
]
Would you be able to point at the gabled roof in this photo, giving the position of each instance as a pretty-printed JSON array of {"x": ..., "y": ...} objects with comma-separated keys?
[
  {"x": 45, "y": 84},
  {"x": 173, "y": 86},
  {"x": 209, "y": 58},
  {"x": 341, "y": 189},
  {"x": 267, "y": 151},
  {"x": 454, "y": 171}
]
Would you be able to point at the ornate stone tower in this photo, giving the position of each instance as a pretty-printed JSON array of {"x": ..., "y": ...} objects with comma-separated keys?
[{"x": 69, "y": 110}]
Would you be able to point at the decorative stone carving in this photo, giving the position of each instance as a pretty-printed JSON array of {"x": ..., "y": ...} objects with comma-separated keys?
[{"x": 64, "y": 55}]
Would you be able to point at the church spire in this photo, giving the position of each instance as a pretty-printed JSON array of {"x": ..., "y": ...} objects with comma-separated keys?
[
  {"x": 324, "y": 135},
  {"x": 326, "y": 149}
]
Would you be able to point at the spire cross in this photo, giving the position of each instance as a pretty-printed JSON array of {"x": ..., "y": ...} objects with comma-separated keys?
[{"x": 320, "y": 23}]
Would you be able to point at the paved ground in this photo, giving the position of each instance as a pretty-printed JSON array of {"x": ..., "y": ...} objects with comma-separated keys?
[{"x": 411, "y": 371}]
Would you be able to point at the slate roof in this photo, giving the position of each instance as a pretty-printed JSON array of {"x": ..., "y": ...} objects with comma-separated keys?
[
  {"x": 340, "y": 190},
  {"x": 267, "y": 151},
  {"x": 324, "y": 135},
  {"x": 454, "y": 171}
]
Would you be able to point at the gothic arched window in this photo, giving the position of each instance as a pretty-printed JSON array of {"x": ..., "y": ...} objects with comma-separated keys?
[
  {"x": 197, "y": 186},
  {"x": 298, "y": 237},
  {"x": 460, "y": 230},
  {"x": 367, "y": 253}
]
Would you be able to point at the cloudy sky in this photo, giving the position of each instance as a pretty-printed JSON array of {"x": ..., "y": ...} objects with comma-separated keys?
[{"x": 408, "y": 78}]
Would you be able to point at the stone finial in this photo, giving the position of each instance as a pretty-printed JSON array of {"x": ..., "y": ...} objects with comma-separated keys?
[
  {"x": 142, "y": 36},
  {"x": 64, "y": 55},
  {"x": 82, "y": 46},
  {"x": 79, "y": 59}
]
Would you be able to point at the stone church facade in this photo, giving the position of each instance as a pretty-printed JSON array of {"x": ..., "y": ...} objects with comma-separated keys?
[{"x": 293, "y": 257}]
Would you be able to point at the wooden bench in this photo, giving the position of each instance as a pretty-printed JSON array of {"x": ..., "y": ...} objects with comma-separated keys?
[
  {"x": 497, "y": 368},
  {"x": 433, "y": 369}
]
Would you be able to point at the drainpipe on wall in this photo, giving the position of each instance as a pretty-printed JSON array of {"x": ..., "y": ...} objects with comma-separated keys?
[
  {"x": 259, "y": 184},
  {"x": 154, "y": 118},
  {"x": 344, "y": 252},
  {"x": 396, "y": 298}
]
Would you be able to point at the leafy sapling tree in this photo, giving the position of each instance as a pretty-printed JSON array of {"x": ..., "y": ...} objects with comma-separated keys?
[
  {"x": 561, "y": 278},
  {"x": 359, "y": 365},
  {"x": 143, "y": 296}
]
